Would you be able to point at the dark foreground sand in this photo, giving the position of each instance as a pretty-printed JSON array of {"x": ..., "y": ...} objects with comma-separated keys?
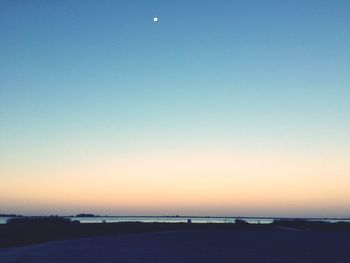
[{"x": 192, "y": 246}]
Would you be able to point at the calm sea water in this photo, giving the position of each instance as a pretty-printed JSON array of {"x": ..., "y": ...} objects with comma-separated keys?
[
  {"x": 170, "y": 220},
  {"x": 223, "y": 220}
]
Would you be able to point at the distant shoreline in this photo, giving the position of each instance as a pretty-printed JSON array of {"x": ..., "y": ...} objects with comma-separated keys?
[{"x": 188, "y": 216}]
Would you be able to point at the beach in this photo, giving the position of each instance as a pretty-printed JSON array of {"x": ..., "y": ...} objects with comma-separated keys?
[{"x": 236, "y": 245}]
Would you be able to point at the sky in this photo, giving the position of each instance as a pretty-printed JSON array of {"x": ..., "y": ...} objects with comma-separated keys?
[{"x": 220, "y": 108}]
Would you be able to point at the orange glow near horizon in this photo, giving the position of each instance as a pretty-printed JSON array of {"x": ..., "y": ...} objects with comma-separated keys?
[{"x": 171, "y": 183}]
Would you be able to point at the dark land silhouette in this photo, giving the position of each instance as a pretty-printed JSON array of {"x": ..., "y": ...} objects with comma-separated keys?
[
  {"x": 29, "y": 230},
  {"x": 281, "y": 241}
]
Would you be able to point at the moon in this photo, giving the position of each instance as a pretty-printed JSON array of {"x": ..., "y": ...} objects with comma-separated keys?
[{"x": 155, "y": 19}]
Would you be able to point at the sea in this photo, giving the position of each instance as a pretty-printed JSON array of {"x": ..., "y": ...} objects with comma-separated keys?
[{"x": 181, "y": 219}]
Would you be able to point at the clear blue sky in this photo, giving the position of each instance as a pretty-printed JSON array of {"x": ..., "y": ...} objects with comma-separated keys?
[{"x": 256, "y": 76}]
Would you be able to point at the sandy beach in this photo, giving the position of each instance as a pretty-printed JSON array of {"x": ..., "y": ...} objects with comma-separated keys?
[{"x": 192, "y": 246}]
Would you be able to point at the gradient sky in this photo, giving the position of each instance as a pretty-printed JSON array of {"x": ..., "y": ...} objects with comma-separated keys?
[{"x": 220, "y": 108}]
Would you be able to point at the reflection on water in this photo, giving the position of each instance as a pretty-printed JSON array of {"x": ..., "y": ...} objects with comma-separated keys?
[
  {"x": 161, "y": 219},
  {"x": 3, "y": 220},
  {"x": 221, "y": 220},
  {"x": 166, "y": 219}
]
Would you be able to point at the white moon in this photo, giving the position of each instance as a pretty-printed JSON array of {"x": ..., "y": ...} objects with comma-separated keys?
[{"x": 155, "y": 19}]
